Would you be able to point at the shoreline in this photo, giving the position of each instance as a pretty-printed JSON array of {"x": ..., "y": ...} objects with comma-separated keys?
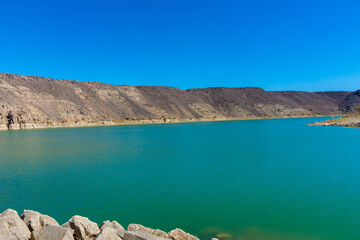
[
  {"x": 34, "y": 126},
  {"x": 350, "y": 121},
  {"x": 36, "y": 226}
]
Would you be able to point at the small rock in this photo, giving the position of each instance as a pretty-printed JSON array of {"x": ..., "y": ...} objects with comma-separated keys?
[
  {"x": 120, "y": 231},
  {"x": 139, "y": 227},
  {"x": 35, "y": 220},
  {"x": 52, "y": 232},
  {"x": 224, "y": 235},
  {"x": 108, "y": 233},
  {"x": 160, "y": 233},
  {"x": 179, "y": 234},
  {"x": 12, "y": 227},
  {"x": 84, "y": 229},
  {"x": 141, "y": 235}
]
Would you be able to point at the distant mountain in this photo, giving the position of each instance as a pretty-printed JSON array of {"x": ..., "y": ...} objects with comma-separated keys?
[{"x": 41, "y": 102}]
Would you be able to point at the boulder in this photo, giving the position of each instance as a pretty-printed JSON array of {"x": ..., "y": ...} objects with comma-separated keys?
[
  {"x": 141, "y": 235},
  {"x": 66, "y": 225},
  {"x": 224, "y": 235},
  {"x": 84, "y": 229},
  {"x": 120, "y": 231},
  {"x": 139, "y": 227},
  {"x": 12, "y": 227},
  {"x": 160, "y": 233},
  {"x": 35, "y": 220},
  {"x": 108, "y": 233},
  {"x": 52, "y": 232},
  {"x": 179, "y": 234}
]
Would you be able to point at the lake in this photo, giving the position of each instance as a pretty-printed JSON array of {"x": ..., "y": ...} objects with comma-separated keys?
[{"x": 255, "y": 179}]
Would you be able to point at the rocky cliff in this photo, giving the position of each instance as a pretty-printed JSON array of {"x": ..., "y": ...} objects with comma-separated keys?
[{"x": 31, "y": 102}]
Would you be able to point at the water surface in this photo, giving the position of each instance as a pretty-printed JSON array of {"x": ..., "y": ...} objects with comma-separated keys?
[{"x": 258, "y": 179}]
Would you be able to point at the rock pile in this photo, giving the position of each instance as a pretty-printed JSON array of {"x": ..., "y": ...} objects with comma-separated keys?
[{"x": 36, "y": 226}]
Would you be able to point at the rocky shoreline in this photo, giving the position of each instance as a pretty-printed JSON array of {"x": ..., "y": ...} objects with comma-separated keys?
[
  {"x": 36, "y": 226},
  {"x": 3, "y": 127},
  {"x": 346, "y": 121}
]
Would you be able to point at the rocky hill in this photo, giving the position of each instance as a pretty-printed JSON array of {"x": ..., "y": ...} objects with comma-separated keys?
[{"x": 32, "y": 102}]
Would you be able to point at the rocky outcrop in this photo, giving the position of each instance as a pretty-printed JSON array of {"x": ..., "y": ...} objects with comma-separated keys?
[
  {"x": 12, "y": 227},
  {"x": 36, "y": 226},
  {"x": 36, "y": 102},
  {"x": 346, "y": 121}
]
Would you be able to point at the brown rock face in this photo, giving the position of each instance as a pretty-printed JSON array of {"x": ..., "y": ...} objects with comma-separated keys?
[
  {"x": 38, "y": 102},
  {"x": 12, "y": 227}
]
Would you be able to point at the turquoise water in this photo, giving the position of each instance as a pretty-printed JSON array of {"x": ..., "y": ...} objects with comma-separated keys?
[{"x": 259, "y": 179}]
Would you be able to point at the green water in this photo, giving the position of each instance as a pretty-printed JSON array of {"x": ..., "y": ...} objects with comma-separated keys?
[{"x": 260, "y": 179}]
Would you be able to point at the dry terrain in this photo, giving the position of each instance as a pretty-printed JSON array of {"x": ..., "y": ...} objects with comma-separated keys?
[{"x": 36, "y": 102}]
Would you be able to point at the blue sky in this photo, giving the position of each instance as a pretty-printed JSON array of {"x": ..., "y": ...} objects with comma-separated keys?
[{"x": 277, "y": 45}]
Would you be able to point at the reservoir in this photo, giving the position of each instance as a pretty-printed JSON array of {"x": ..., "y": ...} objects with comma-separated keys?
[{"x": 254, "y": 179}]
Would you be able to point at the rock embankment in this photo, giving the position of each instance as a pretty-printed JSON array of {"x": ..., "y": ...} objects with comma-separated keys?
[
  {"x": 346, "y": 121},
  {"x": 36, "y": 226}
]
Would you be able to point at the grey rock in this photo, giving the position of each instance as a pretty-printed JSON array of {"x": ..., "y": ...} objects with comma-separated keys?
[
  {"x": 179, "y": 234},
  {"x": 12, "y": 227},
  {"x": 141, "y": 235},
  {"x": 66, "y": 225},
  {"x": 160, "y": 233},
  {"x": 84, "y": 229},
  {"x": 35, "y": 220},
  {"x": 50, "y": 232},
  {"x": 108, "y": 233},
  {"x": 139, "y": 227},
  {"x": 120, "y": 231}
]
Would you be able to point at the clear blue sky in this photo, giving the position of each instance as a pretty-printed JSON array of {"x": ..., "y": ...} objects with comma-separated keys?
[{"x": 277, "y": 45}]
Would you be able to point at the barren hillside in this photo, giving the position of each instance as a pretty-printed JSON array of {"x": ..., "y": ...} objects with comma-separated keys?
[{"x": 41, "y": 102}]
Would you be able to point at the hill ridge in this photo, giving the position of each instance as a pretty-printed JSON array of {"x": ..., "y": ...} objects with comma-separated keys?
[{"x": 45, "y": 102}]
